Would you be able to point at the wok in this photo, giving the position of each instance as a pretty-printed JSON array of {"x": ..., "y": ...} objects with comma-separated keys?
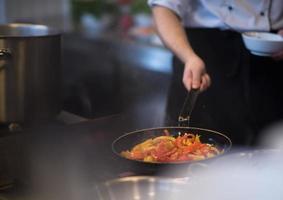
[{"x": 129, "y": 140}]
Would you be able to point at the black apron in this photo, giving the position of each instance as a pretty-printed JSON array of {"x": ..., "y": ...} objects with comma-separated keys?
[{"x": 245, "y": 93}]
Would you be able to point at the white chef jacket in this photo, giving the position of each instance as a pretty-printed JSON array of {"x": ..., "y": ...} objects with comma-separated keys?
[{"x": 239, "y": 15}]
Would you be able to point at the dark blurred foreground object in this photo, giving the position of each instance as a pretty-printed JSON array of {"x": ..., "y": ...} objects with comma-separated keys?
[{"x": 30, "y": 73}]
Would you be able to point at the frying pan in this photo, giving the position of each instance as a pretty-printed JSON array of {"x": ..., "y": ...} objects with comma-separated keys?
[{"x": 129, "y": 140}]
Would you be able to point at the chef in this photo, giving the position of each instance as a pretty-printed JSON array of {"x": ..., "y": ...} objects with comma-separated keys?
[{"x": 205, "y": 36}]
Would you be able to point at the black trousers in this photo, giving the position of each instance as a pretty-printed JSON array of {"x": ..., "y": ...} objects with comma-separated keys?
[{"x": 245, "y": 95}]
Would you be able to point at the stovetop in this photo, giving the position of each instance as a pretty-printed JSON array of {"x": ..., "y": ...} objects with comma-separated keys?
[{"x": 69, "y": 154}]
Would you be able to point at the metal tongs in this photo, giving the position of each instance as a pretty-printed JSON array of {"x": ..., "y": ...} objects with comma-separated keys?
[{"x": 185, "y": 114}]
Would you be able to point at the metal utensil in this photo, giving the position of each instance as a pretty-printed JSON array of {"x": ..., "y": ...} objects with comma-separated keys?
[{"x": 185, "y": 114}]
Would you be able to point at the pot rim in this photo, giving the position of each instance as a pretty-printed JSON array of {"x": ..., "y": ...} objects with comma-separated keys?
[
  {"x": 43, "y": 30},
  {"x": 138, "y": 178}
]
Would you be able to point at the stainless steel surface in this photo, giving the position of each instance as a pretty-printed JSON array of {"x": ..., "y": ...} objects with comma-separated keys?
[
  {"x": 140, "y": 187},
  {"x": 30, "y": 72},
  {"x": 88, "y": 62},
  {"x": 188, "y": 106}
]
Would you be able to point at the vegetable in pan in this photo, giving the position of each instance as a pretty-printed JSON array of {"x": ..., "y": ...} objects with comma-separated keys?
[{"x": 167, "y": 148}]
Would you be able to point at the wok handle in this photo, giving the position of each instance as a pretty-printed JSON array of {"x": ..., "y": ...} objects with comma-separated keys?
[{"x": 185, "y": 114}]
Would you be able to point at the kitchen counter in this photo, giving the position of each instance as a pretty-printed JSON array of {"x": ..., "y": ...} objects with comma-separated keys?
[
  {"x": 64, "y": 161},
  {"x": 110, "y": 75},
  {"x": 124, "y": 48}
]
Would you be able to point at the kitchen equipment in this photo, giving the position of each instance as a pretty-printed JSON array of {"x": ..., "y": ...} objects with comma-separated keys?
[
  {"x": 30, "y": 73},
  {"x": 129, "y": 140},
  {"x": 140, "y": 187},
  {"x": 263, "y": 43}
]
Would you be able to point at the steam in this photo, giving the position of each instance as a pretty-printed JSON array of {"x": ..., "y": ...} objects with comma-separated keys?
[
  {"x": 246, "y": 175},
  {"x": 254, "y": 174},
  {"x": 272, "y": 136}
]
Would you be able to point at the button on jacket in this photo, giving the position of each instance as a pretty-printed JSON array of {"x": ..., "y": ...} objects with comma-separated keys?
[{"x": 239, "y": 15}]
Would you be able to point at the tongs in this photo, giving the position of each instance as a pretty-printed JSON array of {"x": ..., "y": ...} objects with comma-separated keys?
[{"x": 185, "y": 114}]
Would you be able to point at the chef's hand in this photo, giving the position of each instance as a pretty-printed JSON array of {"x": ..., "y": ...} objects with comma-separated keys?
[
  {"x": 279, "y": 56},
  {"x": 195, "y": 75}
]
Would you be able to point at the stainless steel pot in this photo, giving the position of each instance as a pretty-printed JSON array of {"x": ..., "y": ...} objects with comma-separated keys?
[
  {"x": 30, "y": 73},
  {"x": 141, "y": 188}
]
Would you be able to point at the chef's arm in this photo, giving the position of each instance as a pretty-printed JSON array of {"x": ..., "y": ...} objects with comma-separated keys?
[{"x": 173, "y": 35}]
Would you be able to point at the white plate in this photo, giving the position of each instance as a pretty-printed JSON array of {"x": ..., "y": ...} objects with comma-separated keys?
[
  {"x": 265, "y": 36},
  {"x": 263, "y": 43}
]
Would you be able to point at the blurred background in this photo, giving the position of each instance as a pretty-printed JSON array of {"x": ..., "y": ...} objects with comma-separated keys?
[
  {"x": 112, "y": 59},
  {"x": 112, "y": 62}
]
